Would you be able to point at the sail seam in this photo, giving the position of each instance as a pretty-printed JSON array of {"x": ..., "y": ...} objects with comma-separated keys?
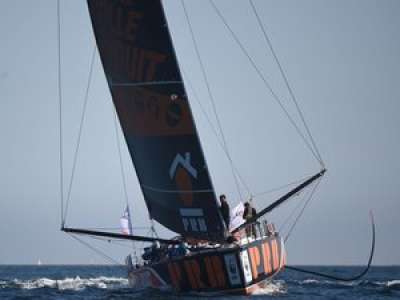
[
  {"x": 130, "y": 84},
  {"x": 147, "y": 187}
]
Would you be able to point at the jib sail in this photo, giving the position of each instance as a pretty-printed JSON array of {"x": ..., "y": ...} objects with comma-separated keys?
[{"x": 149, "y": 95}]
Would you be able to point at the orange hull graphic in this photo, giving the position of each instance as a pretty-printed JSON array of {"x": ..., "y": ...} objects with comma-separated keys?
[{"x": 239, "y": 269}]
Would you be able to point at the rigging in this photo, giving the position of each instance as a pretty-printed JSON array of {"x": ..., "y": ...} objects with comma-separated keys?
[
  {"x": 310, "y": 196},
  {"x": 285, "y": 79},
  {"x": 352, "y": 278},
  {"x": 220, "y": 142},
  {"x": 120, "y": 156},
  {"x": 235, "y": 173},
  {"x": 267, "y": 85},
  {"x": 99, "y": 252},
  {"x": 281, "y": 187},
  {"x": 77, "y": 147},
  {"x": 119, "y": 236},
  {"x": 282, "y": 227},
  {"x": 61, "y": 156},
  {"x": 153, "y": 145},
  {"x": 281, "y": 200},
  {"x": 211, "y": 97}
]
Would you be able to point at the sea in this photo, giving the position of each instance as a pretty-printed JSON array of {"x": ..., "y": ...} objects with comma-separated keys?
[{"x": 110, "y": 282}]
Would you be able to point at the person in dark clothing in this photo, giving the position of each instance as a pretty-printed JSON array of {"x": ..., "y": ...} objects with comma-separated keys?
[
  {"x": 225, "y": 210},
  {"x": 248, "y": 213}
]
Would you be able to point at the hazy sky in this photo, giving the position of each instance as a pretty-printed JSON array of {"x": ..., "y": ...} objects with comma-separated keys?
[{"x": 342, "y": 59}]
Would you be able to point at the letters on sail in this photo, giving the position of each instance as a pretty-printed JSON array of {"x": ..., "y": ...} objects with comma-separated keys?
[{"x": 148, "y": 92}]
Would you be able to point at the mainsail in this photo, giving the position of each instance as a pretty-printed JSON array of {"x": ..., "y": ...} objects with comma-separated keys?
[{"x": 149, "y": 95}]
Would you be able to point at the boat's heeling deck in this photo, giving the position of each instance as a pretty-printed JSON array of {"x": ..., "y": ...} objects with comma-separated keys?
[{"x": 238, "y": 269}]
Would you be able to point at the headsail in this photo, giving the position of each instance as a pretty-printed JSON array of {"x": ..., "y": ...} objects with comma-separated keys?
[
  {"x": 125, "y": 222},
  {"x": 148, "y": 92},
  {"x": 236, "y": 216}
]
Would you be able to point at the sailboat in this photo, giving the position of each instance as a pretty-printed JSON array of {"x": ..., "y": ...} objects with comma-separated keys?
[{"x": 153, "y": 108}]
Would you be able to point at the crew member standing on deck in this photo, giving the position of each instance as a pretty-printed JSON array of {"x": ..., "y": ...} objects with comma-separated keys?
[
  {"x": 225, "y": 210},
  {"x": 249, "y": 212}
]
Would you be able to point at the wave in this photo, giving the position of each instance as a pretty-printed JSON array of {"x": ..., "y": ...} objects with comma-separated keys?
[
  {"x": 102, "y": 282},
  {"x": 329, "y": 282},
  {"x": 76, "y": 283},
  {"x": 392, "y": 284},
  {"x": 272, "y": 288}
]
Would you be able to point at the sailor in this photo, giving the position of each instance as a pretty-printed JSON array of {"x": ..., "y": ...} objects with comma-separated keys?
[
  {"x": 154, "y": 253},
  {"x": 248, "y": 213},
  {"x": 147, "y": 253},
  {"x": 182, "y": 249},
  {"x": 225, "y": 210}
]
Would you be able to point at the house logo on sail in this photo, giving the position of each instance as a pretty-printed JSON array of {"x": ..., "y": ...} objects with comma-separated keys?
[
  {"x": 185, "y": 163},
  {"x": 182, "y": 171}
]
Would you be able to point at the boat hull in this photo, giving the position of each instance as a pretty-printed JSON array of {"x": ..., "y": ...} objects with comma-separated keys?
[{"x": 238, "y": 269}]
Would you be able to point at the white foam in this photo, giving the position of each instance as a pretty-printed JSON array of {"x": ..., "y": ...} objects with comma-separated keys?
[
  {"x": 271, "y": 288},
  {"x": 329, "y": 282},
  {"x": 71, "y": 283},
  {"x": 393, "y": 283},
  {"x": 310, "y": 281}
]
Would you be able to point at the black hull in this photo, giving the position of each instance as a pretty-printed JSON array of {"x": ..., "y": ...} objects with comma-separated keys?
[{"x": 238, "y": 269}]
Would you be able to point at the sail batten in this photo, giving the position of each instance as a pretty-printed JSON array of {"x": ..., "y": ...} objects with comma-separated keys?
[
  {"x": 148, "y": 92},
  {"x": 145, "y": 83}
]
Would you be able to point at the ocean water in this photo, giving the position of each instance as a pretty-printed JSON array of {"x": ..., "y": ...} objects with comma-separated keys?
[{"x": 109, "y": 282}]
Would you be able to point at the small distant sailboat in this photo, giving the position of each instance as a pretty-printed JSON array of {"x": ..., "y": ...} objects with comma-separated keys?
[{"x": 39, "y": 262}]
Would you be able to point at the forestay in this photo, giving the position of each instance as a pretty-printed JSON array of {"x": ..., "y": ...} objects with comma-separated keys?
[{"x": 147, "y": 89}]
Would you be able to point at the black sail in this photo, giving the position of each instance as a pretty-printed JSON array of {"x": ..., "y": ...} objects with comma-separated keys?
[{"x": 149, "y": 95}]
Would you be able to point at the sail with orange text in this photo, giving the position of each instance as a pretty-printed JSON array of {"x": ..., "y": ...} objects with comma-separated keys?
[{"x": 149, "y": 95}]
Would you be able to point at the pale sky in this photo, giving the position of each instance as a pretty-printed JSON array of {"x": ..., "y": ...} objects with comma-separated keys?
[{"x": 342, "y": 59}]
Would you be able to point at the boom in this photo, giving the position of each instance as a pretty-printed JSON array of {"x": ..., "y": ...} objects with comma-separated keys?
[
  {"x": 282, "y": 199},
  {"x": 118, "y": 236}
]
